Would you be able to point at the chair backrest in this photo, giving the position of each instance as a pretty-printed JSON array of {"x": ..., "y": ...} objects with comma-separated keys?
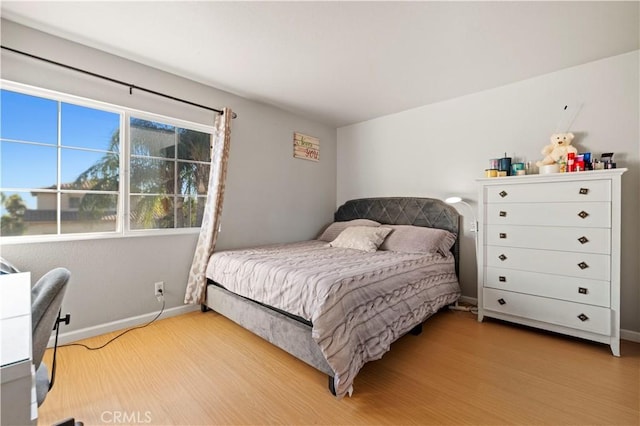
[{"x": 46, "y": 300}]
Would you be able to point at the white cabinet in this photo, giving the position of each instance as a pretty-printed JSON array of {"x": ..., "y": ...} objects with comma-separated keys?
[
  {"x": 549, "y": 252},
  {"x": 19, "y": 405}
]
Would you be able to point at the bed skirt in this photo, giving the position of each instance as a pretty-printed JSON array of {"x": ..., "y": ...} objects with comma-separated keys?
[{"x": 287, "y": 333}]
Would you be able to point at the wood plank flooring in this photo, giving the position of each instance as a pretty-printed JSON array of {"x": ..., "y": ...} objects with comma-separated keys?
[{"x": 202, "y": 369}]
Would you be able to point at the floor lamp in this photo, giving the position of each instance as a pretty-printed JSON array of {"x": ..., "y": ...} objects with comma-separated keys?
[{"x": 474, "y": 229}]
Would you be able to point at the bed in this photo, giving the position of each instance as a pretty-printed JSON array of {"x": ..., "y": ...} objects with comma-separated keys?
[{"x": 337, "y": 318}]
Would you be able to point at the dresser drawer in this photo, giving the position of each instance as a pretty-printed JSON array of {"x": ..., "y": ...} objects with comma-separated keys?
[
  {"x": 597, "y": 214},
  {"x": 573, "y": 289},
  {"x": 595, "y": 319},
  {"x": 585, "y": 240},
  {"x": 574, "y": 191},
  {"x": 582, "y": 265}
]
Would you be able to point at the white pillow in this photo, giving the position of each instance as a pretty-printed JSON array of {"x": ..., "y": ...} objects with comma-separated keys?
[
  {"x": 334, "y": 229},
  {"x": 365, "y": 238}
]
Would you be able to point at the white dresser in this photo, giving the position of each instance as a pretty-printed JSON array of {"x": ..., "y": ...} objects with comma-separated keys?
[{"x": 549, "y": 252}]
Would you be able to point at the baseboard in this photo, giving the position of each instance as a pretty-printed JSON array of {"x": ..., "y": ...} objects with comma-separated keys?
[
  {"x": 97, "y": 330},
  {"x": 630, "y": 335},
  {"x": 469, "y": 300},
  {"x": 85, "y": 333}
]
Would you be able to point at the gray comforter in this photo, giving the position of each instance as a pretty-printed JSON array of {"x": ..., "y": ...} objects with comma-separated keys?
[{"x": 359, "y": 303}]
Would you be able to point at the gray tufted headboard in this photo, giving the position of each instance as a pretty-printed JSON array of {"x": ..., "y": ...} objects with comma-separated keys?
[{"x": 427, "y": 212}]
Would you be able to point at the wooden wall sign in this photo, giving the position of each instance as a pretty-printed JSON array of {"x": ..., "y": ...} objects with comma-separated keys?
[{"x": 306, "y": 147}]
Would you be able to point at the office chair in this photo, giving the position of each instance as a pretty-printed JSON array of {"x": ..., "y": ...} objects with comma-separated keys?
[{"x": 46, "y": 300}]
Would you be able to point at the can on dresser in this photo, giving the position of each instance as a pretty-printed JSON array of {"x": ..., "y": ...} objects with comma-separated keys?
[
  {"x": 504, "y": 165},
  {"x": 517, "y": 169}
]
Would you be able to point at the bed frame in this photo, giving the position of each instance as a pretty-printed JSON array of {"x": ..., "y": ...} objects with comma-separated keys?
[{"x": 293, "y": 335}]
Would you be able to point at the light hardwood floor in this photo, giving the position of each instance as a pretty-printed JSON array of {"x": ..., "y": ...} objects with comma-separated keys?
[{"x": 203, "y": 369}]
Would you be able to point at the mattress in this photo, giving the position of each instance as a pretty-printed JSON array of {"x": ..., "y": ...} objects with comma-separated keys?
[{"x": 357, "y": 302}]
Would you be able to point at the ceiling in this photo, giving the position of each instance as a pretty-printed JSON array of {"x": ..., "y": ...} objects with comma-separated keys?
[{"x": 345, "y": 62}]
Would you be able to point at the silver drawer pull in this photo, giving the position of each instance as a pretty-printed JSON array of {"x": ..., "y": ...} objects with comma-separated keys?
[
  {"x": 582, "y": 290},
  {"x": 583, "y": 214},
  {"x": 502, "y": 301},
  {"x": 583, "y": 265},
  {"x": 502, "y": 257},
  {"x": 584, "y": 191},
  {"x": 503, "y": 194},
  {"x": 583, "y": 317},
  {"x": 502, "y": 279},
  {"x": 503, "y": 235},
  {"x": 583, "y": 240},
  {"x": 503, "y": 213}
]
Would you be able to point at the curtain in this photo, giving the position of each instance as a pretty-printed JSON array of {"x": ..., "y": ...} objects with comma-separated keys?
[{"x": 197, "y": 281}]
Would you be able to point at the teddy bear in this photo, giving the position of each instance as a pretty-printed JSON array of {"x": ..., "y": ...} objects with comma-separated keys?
[{"x": 558, "y": 149}]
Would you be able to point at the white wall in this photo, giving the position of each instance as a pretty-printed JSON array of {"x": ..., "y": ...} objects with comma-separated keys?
[
  {"x": 270, "y": 196},
  {"x": 440, "y": 149}
]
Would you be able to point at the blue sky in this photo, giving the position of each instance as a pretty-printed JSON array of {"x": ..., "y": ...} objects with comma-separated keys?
[{"x": 32, "y": 119}]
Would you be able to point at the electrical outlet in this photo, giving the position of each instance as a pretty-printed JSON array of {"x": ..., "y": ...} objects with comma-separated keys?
[{"x": 159, "y": 290}]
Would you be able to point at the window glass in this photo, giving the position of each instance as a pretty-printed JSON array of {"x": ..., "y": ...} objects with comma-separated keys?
[
  {"x": 193, "y": 178},
  {"x": 153, "y": 176},
  {"x": 89, "y": 128},
  {"x": 194, "y": 145},
  {"x": 151, "y": 139},
  {"x": 28, "y": 166},
  {"x": 28, "y": 213},
  {"x": 74, "y": 202},
  {"x": 94, "y": 212},
  {"x": 89, "y": 170},
  {"x": 32, "y": 151},
  {"x": 179, "y": 177},
  {"x": 28, "y": 118},
  {"x": 190, "y": 211},
  {"x": 151, "y": 212}
]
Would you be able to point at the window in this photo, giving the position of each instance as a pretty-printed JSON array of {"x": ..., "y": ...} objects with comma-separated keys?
[
  {"x": 169, "y": 175},
  {"x": 74, "y": 166}
]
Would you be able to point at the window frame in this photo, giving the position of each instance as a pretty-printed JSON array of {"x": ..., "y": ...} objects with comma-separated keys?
[{"x": 123, "y": 229}]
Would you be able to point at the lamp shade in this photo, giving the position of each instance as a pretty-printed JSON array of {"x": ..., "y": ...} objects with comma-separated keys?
[{"x": 453, "y": 200}]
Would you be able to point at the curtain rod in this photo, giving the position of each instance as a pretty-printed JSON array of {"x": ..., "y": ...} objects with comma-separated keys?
[{"x": 113, "y": 80}]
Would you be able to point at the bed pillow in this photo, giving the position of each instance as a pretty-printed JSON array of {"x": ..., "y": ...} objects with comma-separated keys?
[
  {"x": 332, "y": 231},
  {"x": 418, "y": 239},
  {"x": 365, "y": 238}
]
